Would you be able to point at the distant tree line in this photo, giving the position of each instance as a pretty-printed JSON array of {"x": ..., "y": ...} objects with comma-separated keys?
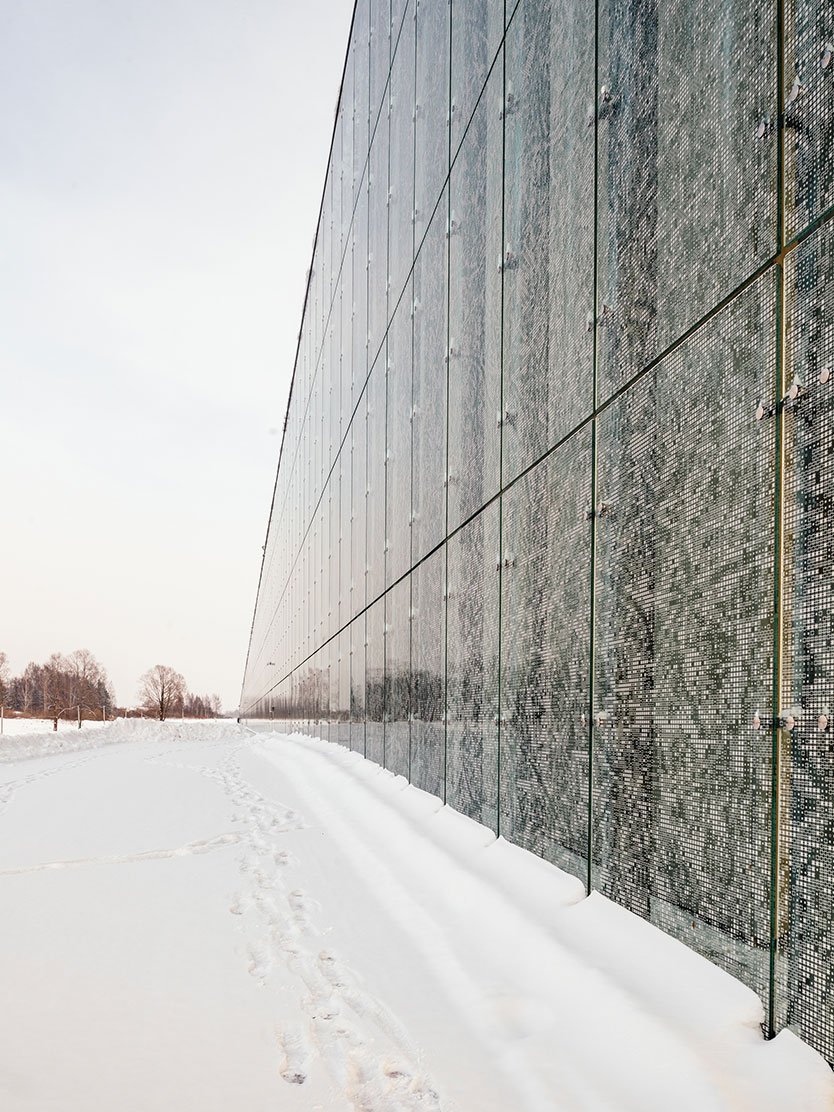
[{"x": 76, "y": 686}]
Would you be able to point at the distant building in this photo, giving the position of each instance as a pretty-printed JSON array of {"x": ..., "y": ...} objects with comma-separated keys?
[{"x": 552, "y": 527}]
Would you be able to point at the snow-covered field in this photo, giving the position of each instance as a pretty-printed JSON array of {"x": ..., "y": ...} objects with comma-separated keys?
[
  {"x": 196, "y": 918},
  {"x": 16, "y": 727}
]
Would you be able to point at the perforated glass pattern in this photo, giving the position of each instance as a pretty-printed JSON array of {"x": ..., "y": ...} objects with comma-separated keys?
[{"x": 551, "y": 533}]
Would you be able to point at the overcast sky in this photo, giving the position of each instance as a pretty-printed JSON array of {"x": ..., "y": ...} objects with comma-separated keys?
[{"x": 161, "y": 168}]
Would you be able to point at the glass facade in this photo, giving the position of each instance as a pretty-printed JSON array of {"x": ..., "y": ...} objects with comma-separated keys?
[{"x": 551, "y": 533}]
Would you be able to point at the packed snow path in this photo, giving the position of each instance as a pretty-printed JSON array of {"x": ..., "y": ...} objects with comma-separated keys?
[{"x": 197, "y": 918}]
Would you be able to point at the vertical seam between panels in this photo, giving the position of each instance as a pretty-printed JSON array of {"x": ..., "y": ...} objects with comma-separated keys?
[
  {"x": 411, "y": 415},
  {"x": 778, "y": 526},
  {"x": 364, "y": 395},
  {"x": 593, "y": 503},
  {"x": 777, "y": 663},
  {"x": 499, "y": 731},
  {"x": 446, "y": 484},
  {"x": 387, "y": 366}
]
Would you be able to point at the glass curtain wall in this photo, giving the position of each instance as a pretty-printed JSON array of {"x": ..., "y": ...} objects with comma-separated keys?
[{"x": 551, "y": 533}]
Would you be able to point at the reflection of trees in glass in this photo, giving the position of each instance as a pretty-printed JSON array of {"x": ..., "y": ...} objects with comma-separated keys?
[
  {"x": 473, "y": 669},
  {"x": 545, "y": 659},
  {"x": 623, "y": 833},
  {"x": 427, "y": 696},
  {"x": 475, "y": 309}
]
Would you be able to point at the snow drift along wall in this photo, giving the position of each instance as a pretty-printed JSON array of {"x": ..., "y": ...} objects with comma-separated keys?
[{"x": 551, "y": 531}]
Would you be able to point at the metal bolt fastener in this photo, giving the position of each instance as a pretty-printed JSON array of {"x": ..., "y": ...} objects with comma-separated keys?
[{"x": 795, "y": 390}]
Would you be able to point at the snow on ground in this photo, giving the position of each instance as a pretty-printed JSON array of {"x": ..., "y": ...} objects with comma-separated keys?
[
  {"x": 196, "y": 918},
  {"x": 35, "y": 737},
  {"x": 15, "y": 727}
]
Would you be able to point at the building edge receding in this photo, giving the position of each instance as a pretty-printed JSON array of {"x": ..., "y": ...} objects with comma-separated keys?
[{"x": 552, "y": 539}]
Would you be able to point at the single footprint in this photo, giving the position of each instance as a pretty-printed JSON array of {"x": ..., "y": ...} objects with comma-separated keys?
[
  {"x": 238, "y": 905},
  {"x": 296, "y": 1055},
  {"x": 258, "y": 962}
]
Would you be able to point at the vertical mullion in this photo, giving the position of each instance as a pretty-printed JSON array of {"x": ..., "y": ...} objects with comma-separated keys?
[
  {"x": 503, "y": 52},
  {"x": 365, "y": 388},
  {"x": 778, "y": 525},
  {"x": 411, "y": 415},
  {"x": 593, "y": 503},
  {"x": 451, "y": 10},
  {"x": 385, "y": 560}
]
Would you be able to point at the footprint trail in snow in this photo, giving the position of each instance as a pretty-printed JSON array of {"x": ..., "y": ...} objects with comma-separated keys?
[{"x": 362, "y": 1045}]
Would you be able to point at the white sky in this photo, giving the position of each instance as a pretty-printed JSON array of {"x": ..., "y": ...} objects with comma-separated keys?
[{"x": 161, "y": 169}]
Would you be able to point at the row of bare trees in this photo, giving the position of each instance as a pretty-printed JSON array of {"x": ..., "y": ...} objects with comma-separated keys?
[
  {"x": 76, "y": 686},
  {"x": 75, "y": 683}
]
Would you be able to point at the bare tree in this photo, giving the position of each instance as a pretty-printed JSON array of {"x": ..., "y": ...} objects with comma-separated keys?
[
  {"x": 91, "y": 686},
  {"x": 161, "y": 690},
  {"x": 29, "y": 686},
  {"x": 4, "y": 677},
  {"x": 57, "y": 693}
]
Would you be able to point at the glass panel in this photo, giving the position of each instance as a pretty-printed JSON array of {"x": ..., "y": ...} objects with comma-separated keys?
[
  {"x": 545, "y": 660},
  {"x": 346, "y": 109},
  {"x": 342, "y": 708},
  {"x": 475, "y": 310},
  {"x": 361, "y": 91},
  {"x": 477, "y": 28},
  {"x": 431, "y": 116},
  {"x": 429, "y": 390},
  {"x": 398, "y": 452},
  {"x": 472, "y": 669},
  {"x": 398, "y": 27},
  {"x": 809, "y": 113},
  {"x": 397, "y": 678},
  {"x": 359, "y": 323},
  {"x": 358, "y": 539},
  {"x": 357, "y": 685},
  {"x": 375, "y": 498},
  {"x": 401, "y": 194},
  {"x": 345, "y": 536},
  {"x": 332, "y": 555},
  {"x": 378, "y": 239},
  {"x": 428, "y": 673},
  {"x": 805, "y": 986},
  {"x": 687, "y": 192},
  {"x": 380, "y": 54},
  {"x": 374, "y": 683},
  {"x": 548, "y": 228},
  {"x": 684, "y": 640},
  {"x": 330, "y": 725}
]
